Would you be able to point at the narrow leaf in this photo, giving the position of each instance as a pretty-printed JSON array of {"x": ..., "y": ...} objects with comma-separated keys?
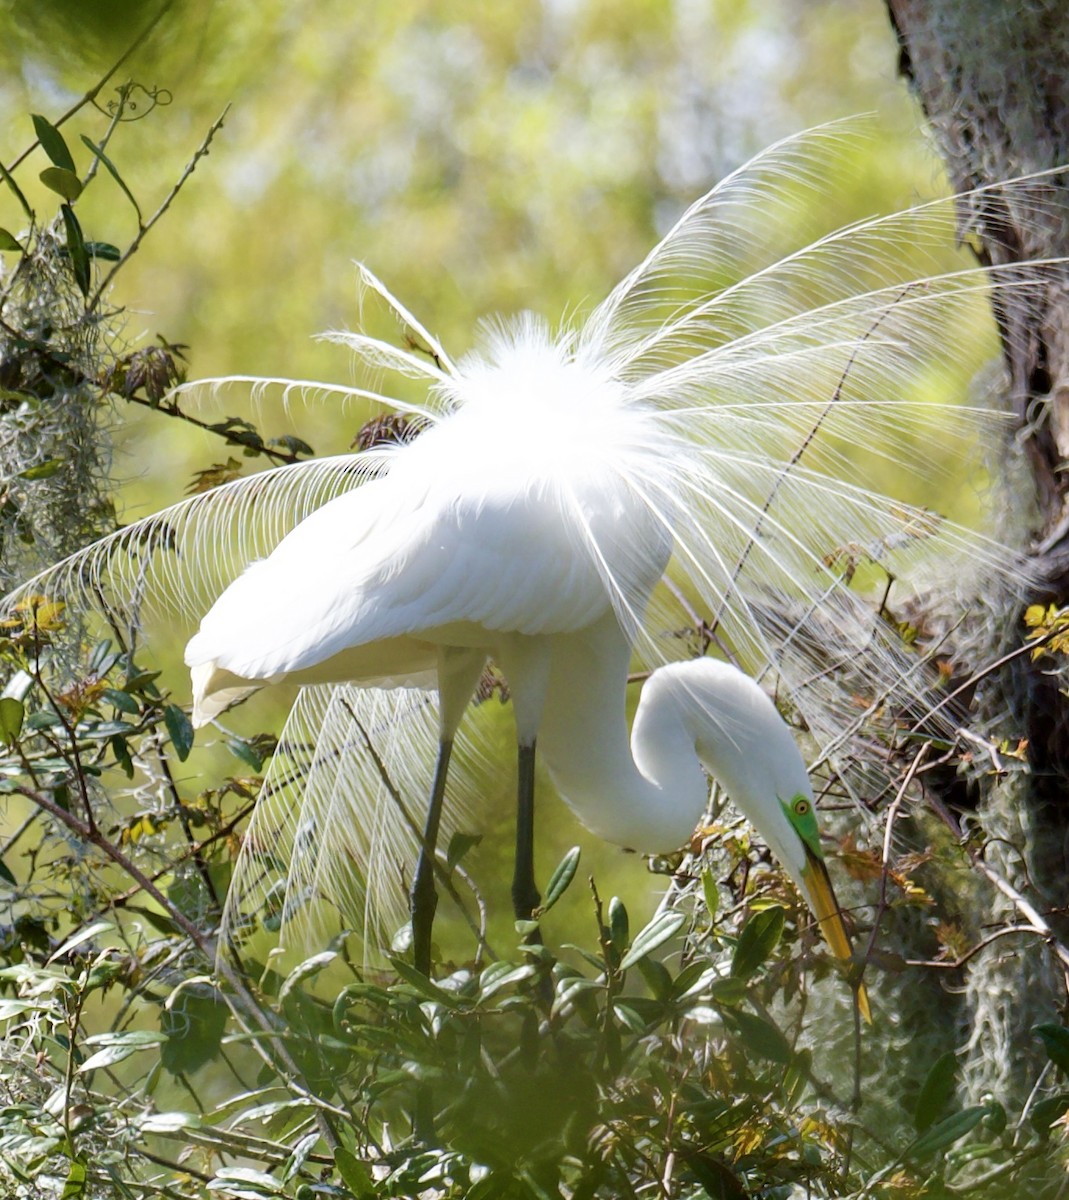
[
  {"x": 52, "y": 142},
  {"x": 561, "y": 878},
  {"x": 656, "y": 933},
  {"x": 103, "y": 250},
  {"x": 947, "y": 1132},
  {"x": 9, "y": 179},
  {"x": 423, "y": 985},
  {"x": 180, "y": 729},
  {"x": 8, "y": 241},
  {"x": 355, "y": 1175},
  {"x": 113, "y": 172},
  {"x": 459, "y": 845},
  {"x": 44, "y": 470},
  {"x": 305, "y": 970},
  {"x": 76, "y": 249},
  {"x": 711, "y": 893},
  {"x": 758, "y": 939},
  {"x": 63, "y": 182},
  {"x": 936, "y": 1091}
]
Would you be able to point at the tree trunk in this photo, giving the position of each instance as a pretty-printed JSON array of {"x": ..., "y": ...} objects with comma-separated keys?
[{"x": 993, "y": 81}]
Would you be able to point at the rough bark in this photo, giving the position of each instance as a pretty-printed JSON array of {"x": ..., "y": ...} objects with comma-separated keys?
[{"x": 993, "y": 81}]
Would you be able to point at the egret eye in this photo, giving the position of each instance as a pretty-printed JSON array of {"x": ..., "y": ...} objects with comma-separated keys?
[{"x": 801, "y": 806}]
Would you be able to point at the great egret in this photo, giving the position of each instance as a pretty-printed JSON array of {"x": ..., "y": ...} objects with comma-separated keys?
[
  {"x": 491, "y": 535},
  {"x": 696, "y": 419}
]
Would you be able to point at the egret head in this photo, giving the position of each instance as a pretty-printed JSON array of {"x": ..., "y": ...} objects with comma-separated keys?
[{"x": 747, "y": 747}]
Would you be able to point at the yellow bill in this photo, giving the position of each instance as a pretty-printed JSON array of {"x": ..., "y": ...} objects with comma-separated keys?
[{"x": 821, "y": 897}]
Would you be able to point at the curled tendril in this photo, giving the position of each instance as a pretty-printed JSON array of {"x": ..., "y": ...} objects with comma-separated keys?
[{"x": 128, "y": 107}]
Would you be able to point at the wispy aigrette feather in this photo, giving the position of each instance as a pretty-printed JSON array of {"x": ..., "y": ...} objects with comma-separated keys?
[{"x": 722, "y": 383}]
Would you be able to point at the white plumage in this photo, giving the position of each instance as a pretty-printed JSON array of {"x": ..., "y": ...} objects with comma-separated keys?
[{"x": 696, "y": 420}]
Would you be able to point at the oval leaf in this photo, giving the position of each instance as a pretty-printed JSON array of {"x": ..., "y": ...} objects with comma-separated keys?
[
  {"x": 52, "y": 142},
  {"x": 619, "y": 927},
  {"x": 758, "y": 939},
  {"x": 761, "y": 1036},
  {"x": 8, "y": 241},
  {"x": 63, "y": 182},
  {"x": 1056, "y": 1043},
  {"x": 561, "y": 878},
  {"x": 12, "y": 712},
  {"x": 656, "y": 933},
  {"x": 180, "y": 728}
]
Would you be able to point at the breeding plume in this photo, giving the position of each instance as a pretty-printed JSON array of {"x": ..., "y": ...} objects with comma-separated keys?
[{"x": 576, "y": 494}]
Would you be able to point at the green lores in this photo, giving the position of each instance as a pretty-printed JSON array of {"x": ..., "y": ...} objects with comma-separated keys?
[{"x": 803, "y": 819}]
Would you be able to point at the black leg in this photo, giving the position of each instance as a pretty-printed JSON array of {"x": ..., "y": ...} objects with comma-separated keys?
[
  {"x": 525, "y": 897},
  {"x": 424, "y": 897}
]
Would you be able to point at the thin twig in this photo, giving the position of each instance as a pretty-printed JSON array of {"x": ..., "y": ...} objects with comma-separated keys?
[{"x": 168, "y": 200}]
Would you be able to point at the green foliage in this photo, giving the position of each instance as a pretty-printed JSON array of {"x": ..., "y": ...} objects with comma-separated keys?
[{"x": 701, "y": 1053}]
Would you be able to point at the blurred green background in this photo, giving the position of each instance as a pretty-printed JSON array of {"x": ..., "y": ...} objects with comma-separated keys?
[{"x": 479, "y": 158}]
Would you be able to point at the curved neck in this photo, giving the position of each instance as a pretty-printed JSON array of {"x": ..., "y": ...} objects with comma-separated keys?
[{"x": 648, "y": 801}]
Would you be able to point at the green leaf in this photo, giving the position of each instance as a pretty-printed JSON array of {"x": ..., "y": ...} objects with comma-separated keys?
[
  {"x": 63, "y": 182},
  {"x": 1046, "y": 1112},
  {"x": 728, "y": 991},
  {"x": 459, "y": 845},
  {"x": 180, "y": 728},
  {"x": 246, "y": 751},
  {"x": 711, "y": 893},
  {"x": 1056, "y": 1043},
  {"x": 501, "y": 974},
  {"x": 561, "y": 878},
  {"x": 123, "y": 701},
  {"x": 230, "y": 1181},
  {"x": 76, "y": 1184},
  {"x": 8, "y": 241},
  {"x": 355, "y": 1175},
  {"x": 86, "y": 934},
  {"x": 112, "y": 171},
  {"x": 194, "y": 1023},
  {"x": 76, "y": 249},
  {"x": 305, "y": 970},
  {"x": 656, "y": 933},
  {"x": 5, "y": 874},
  {"x": 43, "y": 470},
  {"x": 107, "y": 1057},
  {"x": 12, "y": 712},
  {"x": 936, "y": 1091},
  {"x": 619, "y": 926},
  {"x": 657, "y": 978},
  {"x": 759, "y": 937},
  {"x": 103, "y": 250},
  {"x": 423, "y": 985},
  {"x": 947, "y": 1132},
  {"x": 52, "y": 142},
  {"x": 761, "y": 1036}
]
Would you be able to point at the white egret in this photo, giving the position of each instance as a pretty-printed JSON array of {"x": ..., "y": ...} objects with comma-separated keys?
[
  {"x": 492, "y": 535},
  {"x": 696, "y": 420}
]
